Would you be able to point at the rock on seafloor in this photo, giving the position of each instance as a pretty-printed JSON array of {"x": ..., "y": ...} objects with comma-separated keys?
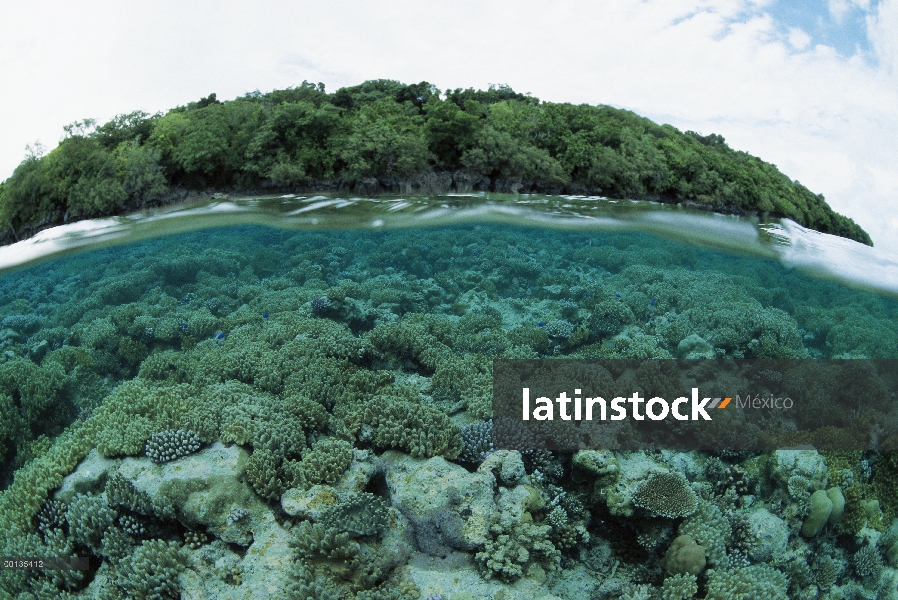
[{"x": 201, "y": 490}]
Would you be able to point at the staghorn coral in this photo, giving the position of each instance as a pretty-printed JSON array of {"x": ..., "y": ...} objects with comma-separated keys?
[
  {"x": 854, "y": 515},
  {"x": 271, "y": 475},
  {"x": 304, "y": 584},
  {"x": 826, "y": 571},
  {"x": 559, "y": 329},
  {"x": 136, "y": 410},
  {"x": 23, "y": 499},
  {"x": 130, "y": 525},
  {"x": 885, "y": 482},
  {"x": 195, "y": 539},
  {"x": 610, "y": 317},
  {"x": 268, "y": 423},
  {"x": 32, "y": 401},
  {"x": 316, "y": 541},
  {"x": 50, "y": 583},
  {"x": 116, "y": 544}
]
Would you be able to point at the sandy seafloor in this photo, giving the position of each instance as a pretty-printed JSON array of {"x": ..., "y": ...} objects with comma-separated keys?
[{"x": 246, "y": 412}]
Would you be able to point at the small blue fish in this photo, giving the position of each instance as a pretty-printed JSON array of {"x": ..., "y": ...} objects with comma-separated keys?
[
  {"x": 618, "y": 294},
  {"x": 588, "y": 295},
  {"x": 541, "y": 324},
  {"x": 183, "y": 325},
  {"x": 220, "y": 336},
  {"x": 264, "y": 315},
  {"x": 653, "y": 302},
  {"x": 223, "y": 303}
]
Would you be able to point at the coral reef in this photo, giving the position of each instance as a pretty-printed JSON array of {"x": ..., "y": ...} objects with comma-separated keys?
[{"x": 182, "y": 414}]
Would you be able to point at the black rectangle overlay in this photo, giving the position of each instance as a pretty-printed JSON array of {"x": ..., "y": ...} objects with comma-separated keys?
[{"x": 713, "y": 405}]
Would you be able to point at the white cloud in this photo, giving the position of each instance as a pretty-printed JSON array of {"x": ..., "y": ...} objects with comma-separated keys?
[
  {"x": 883, "y": 31},
  {"x": 708, "y": 65},
  {"x": 839, "y": 8},
  {"x": 799, "y": 39}
]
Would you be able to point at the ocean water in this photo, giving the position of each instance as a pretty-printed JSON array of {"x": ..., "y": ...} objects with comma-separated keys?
[{"x": 290, "y": 397}]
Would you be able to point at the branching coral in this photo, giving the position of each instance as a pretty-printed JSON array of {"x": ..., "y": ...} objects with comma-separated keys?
[
  {"x": 121, "y": 493},
  {"x": 679, "y": 587},
  {"x": 89, "y": 517},
  {"x": 168, "y": 445},
  {"x": 747, "y": 583},
  {"x": 477, "y": 439},
  {"x": 420, "y": 430},
  {"x": 709, "y": 528},
  {"x": 152, "y": 570},
  {"x": 513, "y": 546},
  {"x": 325, "y": 461}
]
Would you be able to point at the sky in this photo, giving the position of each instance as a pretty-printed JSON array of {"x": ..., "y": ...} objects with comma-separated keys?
[{"x": 808, "y": 85}]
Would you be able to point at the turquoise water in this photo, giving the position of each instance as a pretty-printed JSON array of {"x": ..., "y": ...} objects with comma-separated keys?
[{"x": 347, "y": 344}]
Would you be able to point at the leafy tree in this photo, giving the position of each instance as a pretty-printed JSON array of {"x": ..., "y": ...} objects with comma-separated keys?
[
  {"x": 305, "y": 92},
  {"x": 214, "y": 143},
  {"x": 388, "y": 130},
  {"x": 83, "y": 179},
  {"x": 499, "y": 154},
  {"x": 450, "y": 131},
  {"x": 383, "y": 141},
  {"x": 136, "y": 126},
  {"x": 495, "y": 93},
  {"x": 592, "y": 165},
  {"x": 503, "y": 147},
  {"x": 79, "y": 128},
  {"x": 140, "y": 171},
  {"x": 26, "y": 198},
  {"x": 293, "y": 143},
  {"x": 204, "y": 102}
]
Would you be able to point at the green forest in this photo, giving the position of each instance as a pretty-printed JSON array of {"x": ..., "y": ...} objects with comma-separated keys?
[{"x": 385, "y": 136}]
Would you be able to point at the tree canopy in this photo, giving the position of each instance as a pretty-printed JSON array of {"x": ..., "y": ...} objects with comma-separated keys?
[{"x": 382, "y": 131}]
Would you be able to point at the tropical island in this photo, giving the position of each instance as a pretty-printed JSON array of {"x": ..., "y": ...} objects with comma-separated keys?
[{"x": 387, "y": 137}]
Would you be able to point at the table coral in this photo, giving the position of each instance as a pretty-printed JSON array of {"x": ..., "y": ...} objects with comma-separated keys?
[{"x": 667, "y": 495}]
